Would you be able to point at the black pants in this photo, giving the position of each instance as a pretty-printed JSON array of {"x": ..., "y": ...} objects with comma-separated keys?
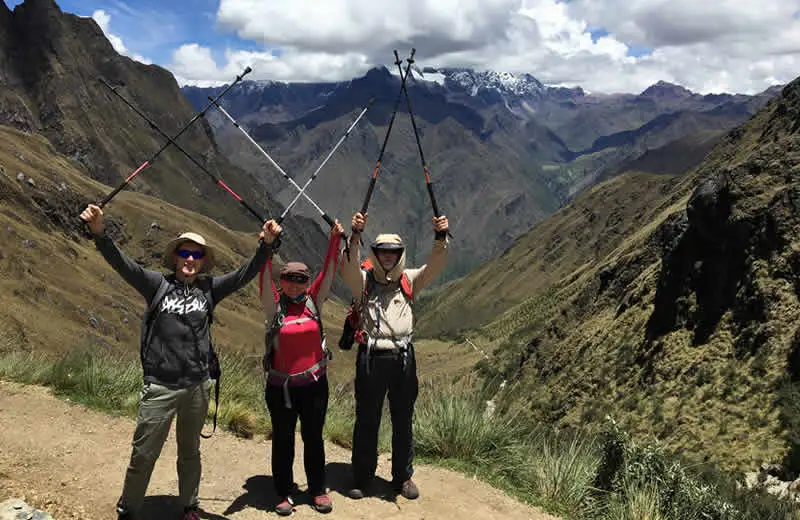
[
  {"x": 310, "y": 404},
  {"x": 375, "y": 376}
]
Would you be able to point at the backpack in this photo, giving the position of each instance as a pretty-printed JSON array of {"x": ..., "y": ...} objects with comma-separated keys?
[
  {"x": 277, "y": 323},
  {"x": 214, "y": 368},
  {"x": 272, "y": 334},
  {"x": 351, "y": 330}
]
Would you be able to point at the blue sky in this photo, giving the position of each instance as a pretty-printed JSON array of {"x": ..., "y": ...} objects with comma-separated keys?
[
  {"x": 155, "y": 28},
  {"x": 600, "y": 45}
]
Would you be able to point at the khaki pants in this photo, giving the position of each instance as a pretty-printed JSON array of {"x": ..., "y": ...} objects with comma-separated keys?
[{"x": 157, "y": 407}]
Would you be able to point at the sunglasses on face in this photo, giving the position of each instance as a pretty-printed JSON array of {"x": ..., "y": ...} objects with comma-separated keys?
[
  {"x": 186, "y": 253},
  {"x": 294, "y": 278}
]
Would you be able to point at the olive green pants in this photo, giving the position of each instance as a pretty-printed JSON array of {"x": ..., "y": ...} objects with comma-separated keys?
[{"x": 158, "y": 405}]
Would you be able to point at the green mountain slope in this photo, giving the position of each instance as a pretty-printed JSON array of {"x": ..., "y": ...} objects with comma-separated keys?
[{"x": 684, "y": 328}]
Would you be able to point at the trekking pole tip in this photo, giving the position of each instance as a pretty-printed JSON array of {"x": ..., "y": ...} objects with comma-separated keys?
[{"x": 247, "y": 70}]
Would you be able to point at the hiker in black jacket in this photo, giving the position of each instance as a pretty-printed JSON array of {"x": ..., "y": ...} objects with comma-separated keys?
[{"x": 176, "y": 352}]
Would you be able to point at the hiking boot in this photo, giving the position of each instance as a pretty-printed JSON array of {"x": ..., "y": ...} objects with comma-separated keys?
[
  {"x": 285, "y": 507},
  {"x": 322, "y": 503},
  {"x": 408, "y": 490},
  {"x": 358, "y": 490},
  {"x": 356, "y": 493},
  {"x": 191, "y": 513}
]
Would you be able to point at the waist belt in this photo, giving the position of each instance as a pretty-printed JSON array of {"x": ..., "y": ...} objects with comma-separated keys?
[
  {"x": 312, "y": 372},
  {"x": 387, "y": 346}
]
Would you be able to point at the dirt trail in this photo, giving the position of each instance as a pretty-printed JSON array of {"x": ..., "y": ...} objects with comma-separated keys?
[{"x": 70, "y": 461}]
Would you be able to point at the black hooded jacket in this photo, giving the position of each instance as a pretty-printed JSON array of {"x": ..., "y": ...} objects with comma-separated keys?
[{"x": 177, "y": 352}]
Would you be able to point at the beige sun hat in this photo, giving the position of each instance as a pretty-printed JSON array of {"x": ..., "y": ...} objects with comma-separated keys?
[{"x": 169, "y": 252}]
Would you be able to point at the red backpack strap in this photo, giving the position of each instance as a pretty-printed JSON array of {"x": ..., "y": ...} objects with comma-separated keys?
[{"x": 405, "y": 286}]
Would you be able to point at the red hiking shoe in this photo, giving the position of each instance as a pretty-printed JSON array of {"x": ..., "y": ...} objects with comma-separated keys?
[
  {"x": 285, "y": 507},
  {"x": 323, "y": 504}
]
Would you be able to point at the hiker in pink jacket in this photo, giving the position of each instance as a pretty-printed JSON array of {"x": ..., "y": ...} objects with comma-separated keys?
[{"x": 295, "y": 364}]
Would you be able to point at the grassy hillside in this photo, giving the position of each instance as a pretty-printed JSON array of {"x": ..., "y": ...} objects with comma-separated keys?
[
  {"x": 570, "y": 241},
  {"x": 682, "y": 326}
]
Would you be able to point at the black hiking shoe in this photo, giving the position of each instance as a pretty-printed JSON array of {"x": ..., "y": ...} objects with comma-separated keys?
[
  {"x": 359, "y": 489},
  {"x": 408, "y": 489}
]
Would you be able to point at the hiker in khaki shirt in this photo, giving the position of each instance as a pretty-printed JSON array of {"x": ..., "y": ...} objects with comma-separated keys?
[{"x": 384, "y": 290}]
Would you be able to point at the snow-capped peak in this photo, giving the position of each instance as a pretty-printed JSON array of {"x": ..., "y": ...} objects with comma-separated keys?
[{"x": 505, "y": 82}]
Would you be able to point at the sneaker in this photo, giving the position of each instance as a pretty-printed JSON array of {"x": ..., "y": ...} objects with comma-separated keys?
[
  {"x": 409, "y": 490},
  {"x": 285, "y": 507},
  {"x": 191, "y": 513},
  {"x": 322, "y": 503}
]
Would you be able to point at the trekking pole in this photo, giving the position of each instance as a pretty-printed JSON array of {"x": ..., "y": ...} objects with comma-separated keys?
[
  {"x": 324, "y": 215},
  {"x": 410, "y": 62},
  {"x": 184, "y": 152},
  {"x": 386, "y": 137},
  {"x": 314, "y": 175},
  {"x": 149, "y": 161}
]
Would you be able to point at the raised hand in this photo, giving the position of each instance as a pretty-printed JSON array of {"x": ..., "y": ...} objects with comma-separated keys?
[{"x": 93, "y": 216}]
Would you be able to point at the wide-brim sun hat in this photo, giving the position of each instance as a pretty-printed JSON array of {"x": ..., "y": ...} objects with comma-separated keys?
[{"x": 169, "y": 261}]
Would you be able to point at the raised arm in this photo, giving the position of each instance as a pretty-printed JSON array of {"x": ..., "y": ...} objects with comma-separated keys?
[
  {"x": 321, "y": 288},
  {"x": 351, "y": 265},
  {"x": 437, "y": 260},
  {"x": 141, "y": 279},
  {"x": 267, "y": 290},
  {"x": 226, "y": 284}
]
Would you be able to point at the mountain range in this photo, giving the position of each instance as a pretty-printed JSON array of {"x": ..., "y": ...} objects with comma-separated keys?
[{"x": 504, "y": 150}]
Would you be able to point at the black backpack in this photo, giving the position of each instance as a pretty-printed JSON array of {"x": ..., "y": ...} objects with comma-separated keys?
[{"x": 214, "y": 368}]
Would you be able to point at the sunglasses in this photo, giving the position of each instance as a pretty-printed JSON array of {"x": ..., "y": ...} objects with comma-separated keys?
[
  {"x": 186, "y": 253},
  {"x": 295, "y": 278}
]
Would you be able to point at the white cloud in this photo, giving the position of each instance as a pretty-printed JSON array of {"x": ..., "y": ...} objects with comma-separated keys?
[
  {"x": 193, "y": 64},
  {"x": 347, "y": 25},
  {"x": 728, "y": 45},
  {"x": 103, "y": 19}
]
